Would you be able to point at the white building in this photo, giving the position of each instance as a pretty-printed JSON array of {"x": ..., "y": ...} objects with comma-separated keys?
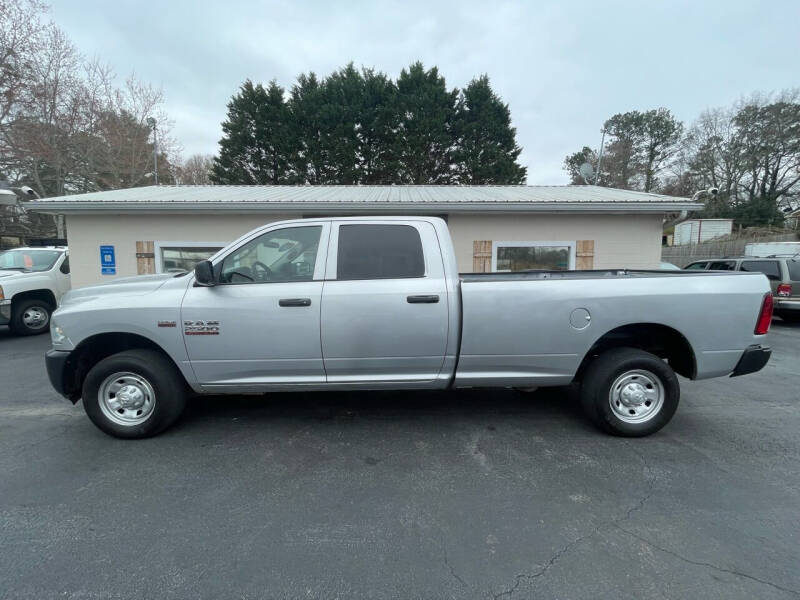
[
  {"x": 164, "y": 228},
  {"x": 695, "y": 231}
]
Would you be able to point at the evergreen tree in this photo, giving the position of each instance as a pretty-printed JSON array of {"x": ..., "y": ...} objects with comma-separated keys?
[
  {"x": 308, "y": 157},
  {"x": 486, "y": 148},
  {"x": 341, "y": 119},
  {"x": 426, "y": 111},
  {"x": 256, "y": 143},
  {"x": 378, "y": 129}
]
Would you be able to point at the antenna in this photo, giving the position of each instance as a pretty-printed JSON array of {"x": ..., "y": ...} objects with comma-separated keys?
[{"x": 587, "y": 172}]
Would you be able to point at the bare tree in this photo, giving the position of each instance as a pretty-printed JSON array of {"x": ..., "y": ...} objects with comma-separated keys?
[
  {"x": 195, "y": 170},
  {"x": 20, "y": 26}
]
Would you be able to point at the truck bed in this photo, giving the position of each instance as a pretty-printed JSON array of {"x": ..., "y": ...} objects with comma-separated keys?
[
  {"x": 533, "y": 328},
  {"x": 535, "y": 275}
]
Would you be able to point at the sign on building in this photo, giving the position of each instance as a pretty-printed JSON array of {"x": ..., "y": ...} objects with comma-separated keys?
[{"x": 108, "y": 260}]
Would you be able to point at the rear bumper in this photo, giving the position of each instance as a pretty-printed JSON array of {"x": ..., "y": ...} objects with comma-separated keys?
[
  {"x": 5, "y": 312},
  {"x": 56, "y": 363},
  {"x": 753, "y": 359},
  {"x": 787, "y": 305}
]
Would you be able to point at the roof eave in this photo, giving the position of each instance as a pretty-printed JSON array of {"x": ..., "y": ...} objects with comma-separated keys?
[{"x": 66, "y": 207}]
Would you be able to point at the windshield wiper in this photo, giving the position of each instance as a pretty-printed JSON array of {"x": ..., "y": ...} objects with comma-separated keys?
[{"x": 12, "y": 269}]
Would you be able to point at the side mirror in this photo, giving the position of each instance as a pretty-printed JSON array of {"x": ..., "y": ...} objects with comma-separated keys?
[{"x": 204, "y": 274}]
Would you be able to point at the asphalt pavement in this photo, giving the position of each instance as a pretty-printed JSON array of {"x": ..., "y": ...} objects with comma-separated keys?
[{"x": 403, "y": 495}]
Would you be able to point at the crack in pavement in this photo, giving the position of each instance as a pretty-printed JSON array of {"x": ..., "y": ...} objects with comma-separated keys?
[
  {"x": 553, "y": 559},
  {"x": 450, "y": 567},
  {"x": 705, "y": 564},
  {"x": 651, "y": 481}
]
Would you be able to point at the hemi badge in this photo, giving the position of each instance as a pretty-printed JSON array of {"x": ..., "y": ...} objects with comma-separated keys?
[
  {"x": 201, "y": 327},
  {"x": 167, "y": 324}
]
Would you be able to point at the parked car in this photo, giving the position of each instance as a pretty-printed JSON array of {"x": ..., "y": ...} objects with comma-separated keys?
[
  {"x": 783, "y": 273},
  {"x": 32, "y": 282},
  {"x": 377, "y": 303}
]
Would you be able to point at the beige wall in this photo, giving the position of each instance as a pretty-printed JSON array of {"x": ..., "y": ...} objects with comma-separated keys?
[
  {"x": 632, "y": 241},
  {"x": 86, "y": 233}
]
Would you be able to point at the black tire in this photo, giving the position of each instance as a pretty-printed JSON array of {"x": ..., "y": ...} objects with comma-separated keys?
[
  {"x": 20, "y": 325},
  {"x": 602, "y": 374},
  {"x": 156, "y": 370}
]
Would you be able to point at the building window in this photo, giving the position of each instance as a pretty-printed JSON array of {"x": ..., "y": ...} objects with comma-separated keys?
[
  {"x": 177, "y": 257},
  {"x": 525, "y": 256}
]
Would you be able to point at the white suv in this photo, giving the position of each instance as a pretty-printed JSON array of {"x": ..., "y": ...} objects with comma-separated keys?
[{"x": 32, "y": 281}]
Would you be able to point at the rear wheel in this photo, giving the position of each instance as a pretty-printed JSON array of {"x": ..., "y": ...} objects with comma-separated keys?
[
  {"x": 30, "y": 317},
  {"x": 630, "y": 392},
  {"x": 134, "y": 394}
]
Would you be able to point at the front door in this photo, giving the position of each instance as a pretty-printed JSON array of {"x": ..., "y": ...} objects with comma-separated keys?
[
  {"x": 260, "y": 325},
  {"x": 384, "y": 305}
]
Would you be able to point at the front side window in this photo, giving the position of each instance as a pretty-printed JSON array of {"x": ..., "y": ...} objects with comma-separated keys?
[
  {"x": 379, "y": 252},
  {"x": 281, "y": 255},
  {"x": 529, "y": 256},
  {"x": 698, "y": 266},
  {"x": 28, "y": 260},
  {"x": 179, "y": 258},
  {"x": 770, "y": 268},
  {"x": 723, "y": 265}
]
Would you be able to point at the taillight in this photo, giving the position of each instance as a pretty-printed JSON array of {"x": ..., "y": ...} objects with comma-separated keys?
[
  {"x": 765, "y": 316},
  {"x": 784, "y": 290}
]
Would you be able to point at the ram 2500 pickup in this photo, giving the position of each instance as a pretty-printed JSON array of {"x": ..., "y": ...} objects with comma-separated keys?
[{"x": 377, "y": 303}]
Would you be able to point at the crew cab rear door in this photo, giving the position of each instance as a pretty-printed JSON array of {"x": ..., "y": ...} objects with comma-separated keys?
[
  {"x": 384, "y": 304},
  {"x": 259, "y": 326}
]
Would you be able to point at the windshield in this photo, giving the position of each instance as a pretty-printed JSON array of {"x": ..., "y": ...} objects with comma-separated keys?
[{"x": 28, "y": 260}]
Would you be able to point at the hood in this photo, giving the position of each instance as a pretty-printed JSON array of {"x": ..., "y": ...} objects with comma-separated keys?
[
  {"x": 125, "y": 286},
  {"x": 12, "y": 275}
]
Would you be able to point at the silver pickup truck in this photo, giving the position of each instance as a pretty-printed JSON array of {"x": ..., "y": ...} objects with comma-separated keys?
[{"x": 377, "y": 303}]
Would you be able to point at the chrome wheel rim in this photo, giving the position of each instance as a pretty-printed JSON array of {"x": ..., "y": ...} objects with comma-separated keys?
[
  {"x": 126, "y": 398},
  {"x": 35, "y": 317},
  {"x": 636, "y": 396}
]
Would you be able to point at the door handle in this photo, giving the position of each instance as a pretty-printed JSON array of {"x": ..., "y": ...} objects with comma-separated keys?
[
  {"x": 430, "y": 299},
  {"x": 294, "y": 302}
]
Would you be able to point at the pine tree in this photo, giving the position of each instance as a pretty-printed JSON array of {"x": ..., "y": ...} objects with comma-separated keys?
[
  {"x": 487, "y": 150},
  {"x": 426, "y": 111},
  {"x": 378, "y": 129},
  {"x": 256, "y": 145},
  {"x": 309, "y": 158}
]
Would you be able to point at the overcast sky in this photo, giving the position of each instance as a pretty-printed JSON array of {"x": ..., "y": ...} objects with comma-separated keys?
[{"x": 563, "y": 67}]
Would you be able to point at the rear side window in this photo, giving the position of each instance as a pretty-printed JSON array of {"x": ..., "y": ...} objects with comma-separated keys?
[
  {"x": 723, "y": 265},
  {"x": 65, "y": 266},
  {"x": 698, "y": 266},
  {"x": 794, "y": 269},
  {"x": 379, "y": 252},
  {"x": 770, "y": 268}
]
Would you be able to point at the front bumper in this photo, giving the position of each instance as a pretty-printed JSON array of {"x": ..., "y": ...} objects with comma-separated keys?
[
  {"x": 753, "y": 359},
  {"x": 57, "y": 362},
  {"x": 5, "y": 312}
]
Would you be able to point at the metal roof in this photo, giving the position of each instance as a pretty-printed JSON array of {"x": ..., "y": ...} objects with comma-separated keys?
[{"x": 363, "y": 198}]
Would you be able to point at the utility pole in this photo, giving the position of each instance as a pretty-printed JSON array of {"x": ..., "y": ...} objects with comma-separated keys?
[
  {"x": 152, "y": 122},
  {"x": 600, "y": 156}
]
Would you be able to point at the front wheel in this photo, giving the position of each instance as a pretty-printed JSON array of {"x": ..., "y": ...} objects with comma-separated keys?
[
  {"x": 134, "y": 394},
  {"x": 30, "y": 317},
  {"x": 630, "y": 392}
]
